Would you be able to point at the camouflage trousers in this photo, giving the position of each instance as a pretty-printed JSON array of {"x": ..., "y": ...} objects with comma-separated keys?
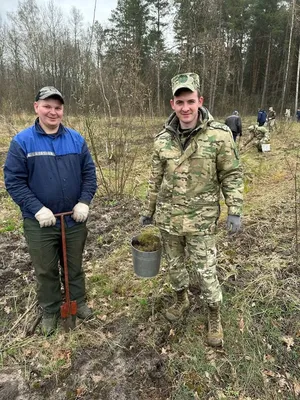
[
  {"x": 272, "y": 124},
  {"x": 199, "y": 252}
]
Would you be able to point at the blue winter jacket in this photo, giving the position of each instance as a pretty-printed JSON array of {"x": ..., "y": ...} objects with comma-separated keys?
[
  {"x": 261, "y": 117},
  {"x": 55, "y": 171}
]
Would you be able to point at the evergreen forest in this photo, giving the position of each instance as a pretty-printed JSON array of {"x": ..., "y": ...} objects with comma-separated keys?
[{"x": 245, "y": 51}]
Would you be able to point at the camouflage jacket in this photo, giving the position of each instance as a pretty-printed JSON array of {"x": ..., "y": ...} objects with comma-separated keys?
[
  {"x": 184, "y": 185},
  {"x": 271, "y": 115},
  {"x": 262, "y": 133}
]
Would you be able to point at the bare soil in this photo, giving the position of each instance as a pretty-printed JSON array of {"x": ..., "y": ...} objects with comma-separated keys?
[{"x": 126, "y": 368}]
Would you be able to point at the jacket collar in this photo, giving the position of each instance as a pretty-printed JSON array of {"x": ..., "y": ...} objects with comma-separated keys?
[
  {"x": 204, "y": 119},
  {"x": 40, "y": 130}
]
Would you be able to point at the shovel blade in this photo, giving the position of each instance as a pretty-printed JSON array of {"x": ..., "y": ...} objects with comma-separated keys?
[
  {"x": 64, "y": 310},
  {"x": 68, "y": 309},
  {"x": 73, "y": 307},
  {"x": 69, "y": 323}
]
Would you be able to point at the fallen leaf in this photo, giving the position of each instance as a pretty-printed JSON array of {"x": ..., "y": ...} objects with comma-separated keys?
[
  {"x": 282, "y": 383},
  {"x": 289, "y": 341},
  {"x": 242, "y": 325},
  {"x": 28, "y": 352},
  {"x": 269, "y": 358},
  {"x": 207, "y": 375},
  {"x": 210, "y": 355},
  {"x": 268, "y": 372},
  {"x": 91, "y": 304},
  {"x": 97, "y": 378},
  {"x": 201, "y": 327},
  {"x": 221, "y": 395},
  {"x": 102, "y": 317},
  {"x": 296, "y": 388},
  {"x": 63, "y": 355},
  {"x": 80, "y": 391}
]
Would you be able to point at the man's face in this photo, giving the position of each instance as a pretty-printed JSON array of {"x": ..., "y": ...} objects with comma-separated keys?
[
  {"x": 186, "y": 106},
  {"x": 50, "y": 113}
]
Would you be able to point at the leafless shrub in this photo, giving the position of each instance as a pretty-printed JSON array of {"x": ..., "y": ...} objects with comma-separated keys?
[{"x": 117, "y": 154}]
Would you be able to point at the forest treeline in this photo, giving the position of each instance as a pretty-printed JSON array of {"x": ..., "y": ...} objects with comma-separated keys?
[{"x": 246, "y": 53}]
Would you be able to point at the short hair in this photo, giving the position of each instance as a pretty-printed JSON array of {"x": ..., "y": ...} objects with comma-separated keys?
[{"x": 182, "y": 90}]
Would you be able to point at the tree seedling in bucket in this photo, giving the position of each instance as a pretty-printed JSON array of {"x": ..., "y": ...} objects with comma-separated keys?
[
  {"x": 146, "y": 251},
  {"x": 146, "y": 241}
]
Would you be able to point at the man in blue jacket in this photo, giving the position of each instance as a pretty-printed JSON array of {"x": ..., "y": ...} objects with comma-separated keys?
[
  {"x": 261, "y": 117},
  {"x": 49, "y": 170}
]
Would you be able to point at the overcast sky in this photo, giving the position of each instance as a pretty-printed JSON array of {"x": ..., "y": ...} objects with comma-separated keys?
[{"x": 103, "y": 10}]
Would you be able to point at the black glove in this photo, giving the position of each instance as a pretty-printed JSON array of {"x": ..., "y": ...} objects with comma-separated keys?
[
  {"x": 146, "y": 220},
  {"x": 234, "y": 223}
]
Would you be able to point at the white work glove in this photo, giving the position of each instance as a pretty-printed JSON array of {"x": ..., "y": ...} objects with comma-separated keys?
[
  {"x": 80, "y": 212},
  {"x": 45, "y": 217}
]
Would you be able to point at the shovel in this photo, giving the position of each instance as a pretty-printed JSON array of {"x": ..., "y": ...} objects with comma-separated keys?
[{"x": 68, "y": 309}]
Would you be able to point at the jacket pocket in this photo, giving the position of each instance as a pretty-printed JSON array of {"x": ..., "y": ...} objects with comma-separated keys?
[{"x": 201, "y": 173}]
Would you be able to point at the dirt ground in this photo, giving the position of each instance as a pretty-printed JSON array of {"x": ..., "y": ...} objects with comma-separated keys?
[{"x": 130, "y": 368}]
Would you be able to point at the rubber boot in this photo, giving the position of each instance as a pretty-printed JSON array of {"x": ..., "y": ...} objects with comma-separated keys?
[
  {"x": 215, "y": 330},
  {"x": 49, "y": 323},
  {"x": 182, "y": 304},
  {"x": 84, "y": 312}
]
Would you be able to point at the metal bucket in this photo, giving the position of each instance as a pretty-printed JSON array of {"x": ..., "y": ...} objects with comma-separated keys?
[{"x": 145, "y": 263}]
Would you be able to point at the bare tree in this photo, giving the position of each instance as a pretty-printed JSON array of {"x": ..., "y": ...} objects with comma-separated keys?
[{"x": 285, "y": 81}]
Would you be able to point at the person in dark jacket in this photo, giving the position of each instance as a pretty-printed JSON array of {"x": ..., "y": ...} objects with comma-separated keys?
[
  {"x": 261, "y": 117},
  {"x": 234, "y": 122},
  {"x": 49, "y": 170}
]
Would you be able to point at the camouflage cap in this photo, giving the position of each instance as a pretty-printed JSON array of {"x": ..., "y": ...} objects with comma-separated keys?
[
  {"x": 188, "y": 80},
  {"x": 49, "y": 91}
]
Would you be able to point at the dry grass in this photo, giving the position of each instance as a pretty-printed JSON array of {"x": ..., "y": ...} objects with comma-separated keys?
[{"x": 260, "y": 279}]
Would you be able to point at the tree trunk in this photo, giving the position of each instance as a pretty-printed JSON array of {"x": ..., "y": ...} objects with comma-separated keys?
[
  {"x": 297, "y": 82},
  {"x": 266, "y": 73},
  {"x": 288, "y": 59},
  {"x": 227, "y": 77}
]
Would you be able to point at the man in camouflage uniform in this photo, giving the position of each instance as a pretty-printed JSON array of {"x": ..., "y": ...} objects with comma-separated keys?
[
  {"x": 259, "y": 135},
  {"x": 271, "y": 119},
  {"x": 194, "y": 157}
]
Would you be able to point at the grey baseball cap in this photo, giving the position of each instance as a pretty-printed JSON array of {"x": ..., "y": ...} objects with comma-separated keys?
[{"x": 49, "y": 91}]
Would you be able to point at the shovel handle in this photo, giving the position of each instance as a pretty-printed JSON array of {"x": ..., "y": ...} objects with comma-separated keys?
[
  {"x": 63, "y": 214},
  {"x": 64, "y": 252}
]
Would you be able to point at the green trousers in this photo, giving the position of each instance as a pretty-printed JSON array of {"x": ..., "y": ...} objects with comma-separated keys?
[{"x": 45, "y": 249}]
